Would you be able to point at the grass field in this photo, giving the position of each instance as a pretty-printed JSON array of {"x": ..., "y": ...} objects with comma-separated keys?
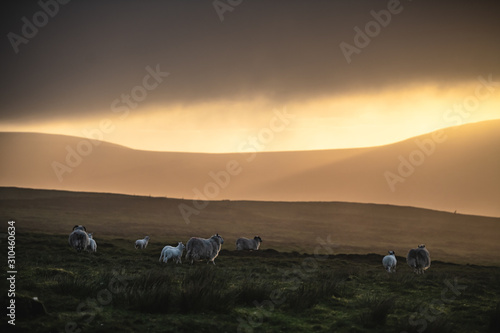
[
  {"x": 314, "y": 273},
  {"x": 283, "y": 226},
  {"x": 125, "y": 290}
]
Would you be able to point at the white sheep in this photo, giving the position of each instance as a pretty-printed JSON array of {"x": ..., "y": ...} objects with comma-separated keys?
[
  {"x": 79, "y": 239},
  {"x": 390, "y": 262},
  {"x": 248, "y": 244},
  {"x": 200, "y": 248},
  {"x": 142, "y": 243},
  {"x": 419, "y": 259},
  {"x": 92, "y": 244},
  {"x": 172, "y": 252}
]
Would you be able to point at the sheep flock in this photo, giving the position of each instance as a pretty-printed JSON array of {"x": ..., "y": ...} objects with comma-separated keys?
[{"x": 208, "y": 249}]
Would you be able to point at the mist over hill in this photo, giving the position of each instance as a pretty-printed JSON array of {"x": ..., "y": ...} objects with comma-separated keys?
[{"x": 456, "y": 169}]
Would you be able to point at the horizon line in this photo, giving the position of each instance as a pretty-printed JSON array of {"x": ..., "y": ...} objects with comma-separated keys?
[
  {"x": 248, "y": 200},
  {"x": 257, "y": 151}
]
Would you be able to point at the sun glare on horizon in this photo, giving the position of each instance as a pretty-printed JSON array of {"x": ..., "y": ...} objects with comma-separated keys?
[{"x": 345, "y": 121}]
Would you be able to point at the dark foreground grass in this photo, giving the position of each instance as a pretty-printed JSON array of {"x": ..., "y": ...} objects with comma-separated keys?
[{"x": 121, "y": 289}]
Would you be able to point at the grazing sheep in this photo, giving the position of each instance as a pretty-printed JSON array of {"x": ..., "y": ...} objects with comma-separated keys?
[
  {"x": 172, "y": 252},
  {"x": 200, "y": 248},
  {"x": 142, "y": 243},
  {"x": 92, "y": 244},
  {"x": 248, "y": 244},
  {"x": 78, "y": 239},
  {"x": 390, "y": 262},
  {"x": 419, "y": 259}
]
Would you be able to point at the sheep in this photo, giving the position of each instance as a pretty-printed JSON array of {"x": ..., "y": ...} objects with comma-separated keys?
[
  {"x": 390, "y": 262},
  {"x": 200, "y": 248},
  {"x": 248, "y": 244},
  {"x": 142, "y": 243},
  {"x": 419, "y": 259},
  {"x": 92, "y": 247},
  {"x": 172, "y": 252},
  {"x": 78, "y": 239}
]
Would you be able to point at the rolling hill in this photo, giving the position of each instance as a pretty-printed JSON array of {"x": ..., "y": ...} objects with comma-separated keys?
[
  {"x": 455, "y": 170},
  {"x": 284, "y": 226}
]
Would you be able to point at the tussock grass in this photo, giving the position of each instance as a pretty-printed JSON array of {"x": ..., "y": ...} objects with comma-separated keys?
[
  {"x": 254, "y": 290},
  {"x": 206, "y": 289},
  {"x": 437, "y": 325},
  {"x": 494, "y": 324},
  {"x": 340, "y": 294},
  {"x": 323, "y": 286},
  {"x": 379, "y": 308},
  {"x": 151, "y": 292},
  {"x": 162, "y": 291},
  {"x": 80, "y": 285}
]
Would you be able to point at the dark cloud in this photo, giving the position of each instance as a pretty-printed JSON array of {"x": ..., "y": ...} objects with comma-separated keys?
[{"x": 91, "y": 52}]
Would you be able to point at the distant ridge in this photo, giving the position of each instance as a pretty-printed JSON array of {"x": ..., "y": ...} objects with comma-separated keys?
[
  {"x": 284, "y": 226},
  {"x": 457, "y": 170}
]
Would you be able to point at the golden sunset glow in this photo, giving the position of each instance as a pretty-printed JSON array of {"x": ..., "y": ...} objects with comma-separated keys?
[
  {"x": 345, "y": 121},
  {"x": 343, "y": 99},
  {"x": 340, "y": 134}
]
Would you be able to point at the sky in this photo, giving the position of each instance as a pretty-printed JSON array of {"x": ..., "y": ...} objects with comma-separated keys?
[{"x": 212, "y": 76}]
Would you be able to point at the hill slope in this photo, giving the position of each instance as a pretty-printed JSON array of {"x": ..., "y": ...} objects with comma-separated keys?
[
  {"x": 457, "y": 170},
  {"x": 284, "y": 226}
]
